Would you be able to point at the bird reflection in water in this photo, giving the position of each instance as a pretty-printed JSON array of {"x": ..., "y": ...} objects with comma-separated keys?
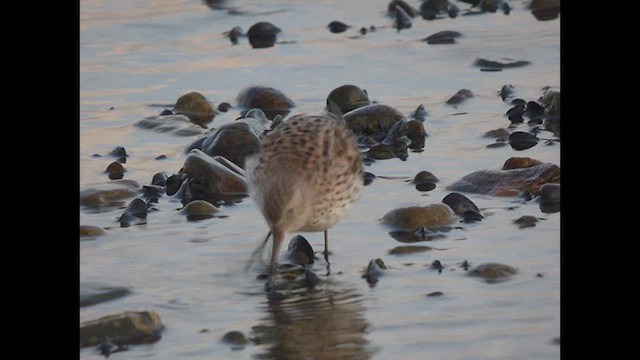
[{"x": 318, "y": 323}]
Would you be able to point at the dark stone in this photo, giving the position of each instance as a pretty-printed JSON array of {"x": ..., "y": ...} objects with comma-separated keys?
[
  {"x": 394, "y": 4},
  {"x": 115, "y": 170},
  {"x": 435, "y": 293},
  {"x": 520, "y": 140},
  {"x": 413, "y": 236},
  {"x": 161, "y": 157},
  {"x": 506, "y": 92},
  {"x": 166, "y": 112},
  {"x": 526, "y": 221},
  {"x": 235, "y": 338},
  {"x": 408, "y": 249},
  {"x": 425, "y": 186},
  {"x": 368, "y": 178},
  {"x": 442, "y": 37},
  {"x": 402, "y": 19},
  {"x": 337, "y": 27},
  {"x": 471, "y": 216},
  {"x": 515, "y": 114},
  {"x": 96, "y": 293},
  {"x": 374, "y": 270},
  {"x": 300, "y": 251},
  {"x": 493, "y": 272},
  {"x": 460, "y": 96},
  {"x": 271, "y": 101},
  {"x": 419, "y": 114},
  {"x": 224, "y": 107},
  {"x": 196, "y": 107},
  {"x": 494, "y": 64},
  {"x": 262, "y": 34},
  {"x": 127, "y": 328},
  {"x": 437, "y": 265},
  {"x": 173, "y": 183},
  {"x": 118, "y": 152},
  {"x": 544, "y": 10},
  {"x": 160, "y": 178},
  {"x": 515, "y": 162},
  {"x": 460, "y": 203},
  {"x": 348, "y": 97}
]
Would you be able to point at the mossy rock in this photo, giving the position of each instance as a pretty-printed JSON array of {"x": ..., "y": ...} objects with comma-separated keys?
[
  {"x": 127, "y": 328},
  {"x": 196, "y": 107}
]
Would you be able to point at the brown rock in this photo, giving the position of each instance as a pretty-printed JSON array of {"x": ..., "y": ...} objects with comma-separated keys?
[
  {"x": 413, "y": 217},
  {"x": 130, "y": 327},
  {"x": 196, "y": 107},
  {"x": 508, "y": 182},
  {"x": 519, "y": 163}
]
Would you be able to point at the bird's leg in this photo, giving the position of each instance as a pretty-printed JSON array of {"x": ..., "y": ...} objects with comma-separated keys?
[
  {"x": 326, "y": 251},
  {"x": 278, "y": 237},
  {"x": 257, "y": 252}
]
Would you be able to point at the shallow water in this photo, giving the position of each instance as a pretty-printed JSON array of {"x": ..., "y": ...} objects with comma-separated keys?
[{"x": 136, "y": 54}]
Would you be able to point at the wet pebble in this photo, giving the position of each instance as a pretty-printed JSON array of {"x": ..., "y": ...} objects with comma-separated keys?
[
  {"x": 460, "y": 204},
  {"x": 348, "y": 97},
  {"x": 161, "y": 157},
  {"x": 196, "y": 107},
  {"x": 497, "y": 133},
  {"x": 516, "y": 162},
  {"x": 224, "y": 107},
  {"x": 134, "y": 214},
  {"x": 373, "y": 119},
  {"x": 506, "y": 92},
  {"x": 408, "y": 249},
  {"x": 460, "y": 96},
  {"x": 262, "y": 34},
  {"x": 93, "y": 293},
  {"x": 337, "y": 27},
  {"x": 453, "y": 11},
  {"x": 436, "y": 265},
  {"x": 424, "y": 176},
  {"x": 526, "y": 221},
  {"x": 166, "y": 112},
  {"x": 160, "y": 178},
  {"x": 271, "y": 101},
  {"x": 413, "y": 236},
  {"x": 115, "y": 170},
  {"x": 544, "y": 10},
  {"x": 374, "y": 270},
  {"x": 425, "y": 186},
  {"x": 435, "y": 293},
  {"x": 416, "y": 134},
  {"x": 235, "y": 338},
  {"x": 109, "y": 194},
  {"x": 515, "y": 114},
  {"x": 502, "y": 64},
  {"x": 176, "y": 124},
  {"x": 127, "y": 328},
  {"x": 442, "y": 37},
  {"x": 90, "y": 231},
  {"x": 152, "y": 191},
  {"x": 550, "y": 198},
  {"x": 199, "y": 210},
  {"x": 520, "y": 140},
  {"x": 508, "y": 182},
  {"x": 419, "y": 114},
  {"x": 119, "y": 152},
  {"x": 470, "y": 216},
  {"x": 430, "y": 9},
  {"x": 413, "y": 217},
  {"x": 300, "y": 251},
  {"x": 493, "y": 272},
  {"x": 368, "y": 178},
  {"x": 551, "y": 102}
]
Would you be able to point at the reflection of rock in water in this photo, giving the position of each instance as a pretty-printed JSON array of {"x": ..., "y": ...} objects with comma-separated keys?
[{"x": 317, "y": 324}]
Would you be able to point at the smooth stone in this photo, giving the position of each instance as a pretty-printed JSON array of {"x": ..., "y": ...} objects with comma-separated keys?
[
  {"x": 176, "y": 124},
  {"x": 460, "y": 96},
  {"x": 213, "y": 177},
  {"x": 508, "y": 182},
  {"x": 408, "y": 249},
  {"x": 236, "y": 338},
  {"x": 160, "y": 178},
  {"x": 493, "y": 272},
  {"x": 425, "y": 186},
  {"x": 551, "y": 102},
  {"x": 394, "y": 4},
  {"x": 196, "y": 107},
  {"x": 115, "y": 170},
  {"x": 199, "y": 208},
  {"x": 348, "y": 97},
  {"x": 119, "y": 152},
  {"x": 413, "y": 217},
  {"x": 262, "y": 34},
  {"x": 109, "y": 194},
  {"x": 93, "y": 293},
  {"x": 471, "y": 216},
  {"x": 372, "y": 119},
  {"x": 442, "y": 37},
  {"x": 300, "y": 251},
  {"x": 413, "y": 236},
  {"x": 152, "y": 191},
  {"x": 435, "y": 293},
  {"x": 526, "y": 221},
  {"x": 271, "y": 101},
  {"x": 544, "y": 10},
  {"x": 416, "y": 133},
  {"x": 129, "y": 327},
  {"x": 337, "y": 27},
  {"x": 497, "y": 133},
  {"x": 515, "y": 162},
  {"x": 424, "y": 176},
  {"x": 520, "y": 140},
  {"x": 460, "y": 204},
  {"x": 494, "y": 64},
  {"x": 419, "y": 114},
  {"x": 90, "y": 231},
  {"x": 374, "y": 270},
  {"x": 506, "y": 92},
  {"x": 550, "y": 193},
  {"x": 368, "y": 178}
]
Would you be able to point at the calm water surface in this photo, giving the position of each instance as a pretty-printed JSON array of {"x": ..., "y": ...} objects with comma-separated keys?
[{"x": 135, "y": 54}]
